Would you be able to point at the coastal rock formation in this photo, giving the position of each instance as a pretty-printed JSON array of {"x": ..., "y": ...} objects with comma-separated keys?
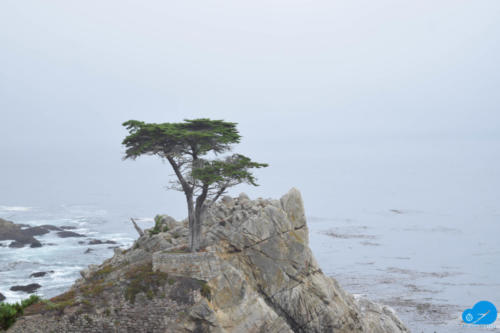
[
  {"x": 255, "y": 273},
  {"x": 19, "y": 236}
]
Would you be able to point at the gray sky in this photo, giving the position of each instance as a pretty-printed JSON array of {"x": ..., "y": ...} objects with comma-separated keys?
[{"x": 347, "y": 100}]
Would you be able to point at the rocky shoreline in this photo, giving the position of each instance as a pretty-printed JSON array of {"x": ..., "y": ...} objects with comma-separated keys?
[
  {"x": 17, "y": 236},
  {"x": 255, "y": 273}
]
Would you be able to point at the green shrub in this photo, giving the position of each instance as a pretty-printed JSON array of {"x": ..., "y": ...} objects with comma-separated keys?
[
  {"x": 158, "y": 226},
  {"x": 206, "y": 291},
  {"x": 10, "y": 312}
]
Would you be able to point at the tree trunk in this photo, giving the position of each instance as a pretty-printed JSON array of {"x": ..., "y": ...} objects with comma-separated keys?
[
  {"x": 196, "y": 231},
  {"x": 198, "y": 219},
  {"x": 191, "y": 219},
  {"x": 196, "y": 234}
]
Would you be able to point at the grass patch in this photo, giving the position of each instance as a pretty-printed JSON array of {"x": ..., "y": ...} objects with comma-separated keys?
[
  {"x": 183, "y": 249},
  {"x": 95, "y": 288},
  {"x": 206, "y": 291},
  {"x": 103, "y": 272},
  {"x": 62, "y": 301},
  {"x": 142, "y": 279}
]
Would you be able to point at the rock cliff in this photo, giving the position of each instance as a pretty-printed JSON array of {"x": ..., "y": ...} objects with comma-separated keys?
[{"x": 255, "y": 273}]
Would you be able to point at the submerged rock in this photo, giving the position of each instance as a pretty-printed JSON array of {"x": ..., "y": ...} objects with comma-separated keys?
[
  {"x": 16, "y": 244},
  {"x": 39, "y": 274},
  {"x": 68, "y": 227},
  {"x": 30, "y": 288},
  {"x": 36, "y": 244},
  {"x": 66, "y": 234},
  {"x": 98, "y": 242},
  {"x": 255, "y": 273}
]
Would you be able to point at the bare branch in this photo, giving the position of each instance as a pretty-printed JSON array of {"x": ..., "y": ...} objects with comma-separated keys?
[{"x": 139, "y": 230}]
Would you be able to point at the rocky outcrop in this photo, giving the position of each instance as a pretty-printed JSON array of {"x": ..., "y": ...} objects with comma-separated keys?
[
  {"x": 255, "y": 273},
  {"x": 19, "y": 236},
  {"x": 22, "y": 234}
]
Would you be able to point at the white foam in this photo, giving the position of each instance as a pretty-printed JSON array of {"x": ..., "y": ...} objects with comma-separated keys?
[
  {"x": 15, "y": 208},
  {"x": 144, "y": 219}
]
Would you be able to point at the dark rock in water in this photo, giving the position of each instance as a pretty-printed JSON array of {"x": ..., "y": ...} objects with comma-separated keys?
[
  {"x": 66, "y": 234},
  {"x": 36, "y": 243},
  {"x": 51, "y": 227},
  {"x": 88, "y": 250},
  {"x": 12, "y": 231},
  {"x": 2, "y": 297},
  {"x": 98, "y": 242},
  {"x": 16, "y": 244},
  {"x": 30, "y": 288},
  {"x": 81, "y": 242},
  {"x": 40, "y": 274},
  {"x": 68, "y": 227},
  {"x": 35, "y": 231}
]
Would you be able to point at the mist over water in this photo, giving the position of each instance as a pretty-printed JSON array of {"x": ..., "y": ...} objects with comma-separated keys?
[{"x": 385, "y": 116}]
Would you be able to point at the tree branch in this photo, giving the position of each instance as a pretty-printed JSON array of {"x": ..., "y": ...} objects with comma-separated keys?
[
  {"x": 139, "y": 230},
  {"x": 221, "y": 191},
  {"x": 185, "y": 187}
]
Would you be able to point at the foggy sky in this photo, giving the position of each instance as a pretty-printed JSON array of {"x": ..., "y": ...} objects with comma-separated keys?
[{"x": 350, "y": 101}]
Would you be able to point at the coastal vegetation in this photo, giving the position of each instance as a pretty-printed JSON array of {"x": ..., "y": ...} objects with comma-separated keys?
[{"x": 10, "y": 312}]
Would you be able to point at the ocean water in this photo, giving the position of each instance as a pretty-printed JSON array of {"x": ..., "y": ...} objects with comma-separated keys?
[
  {"x": 428, "y": 272},
  {"x": 64, "y": 258}
]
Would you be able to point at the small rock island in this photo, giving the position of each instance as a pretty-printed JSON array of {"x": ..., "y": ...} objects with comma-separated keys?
[{"x": 254, "y": 273}]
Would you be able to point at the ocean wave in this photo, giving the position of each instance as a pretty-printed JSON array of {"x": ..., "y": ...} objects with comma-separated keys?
[{"x": 15, "y": 208}]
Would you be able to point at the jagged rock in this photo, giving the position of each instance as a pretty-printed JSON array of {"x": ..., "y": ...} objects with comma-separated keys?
[
  {"x": 255, "y": 273},
  {"x": 30, "y": 288},
  {"x": 14, "y": 232},
  {"x": 2, "y": 297}
]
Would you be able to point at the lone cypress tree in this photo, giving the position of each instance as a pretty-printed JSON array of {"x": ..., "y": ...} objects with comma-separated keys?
[{"x": 187, "y": 147}]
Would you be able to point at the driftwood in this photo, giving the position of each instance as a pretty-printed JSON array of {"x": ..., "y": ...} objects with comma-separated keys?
[{"x": 139, "y": 230}]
